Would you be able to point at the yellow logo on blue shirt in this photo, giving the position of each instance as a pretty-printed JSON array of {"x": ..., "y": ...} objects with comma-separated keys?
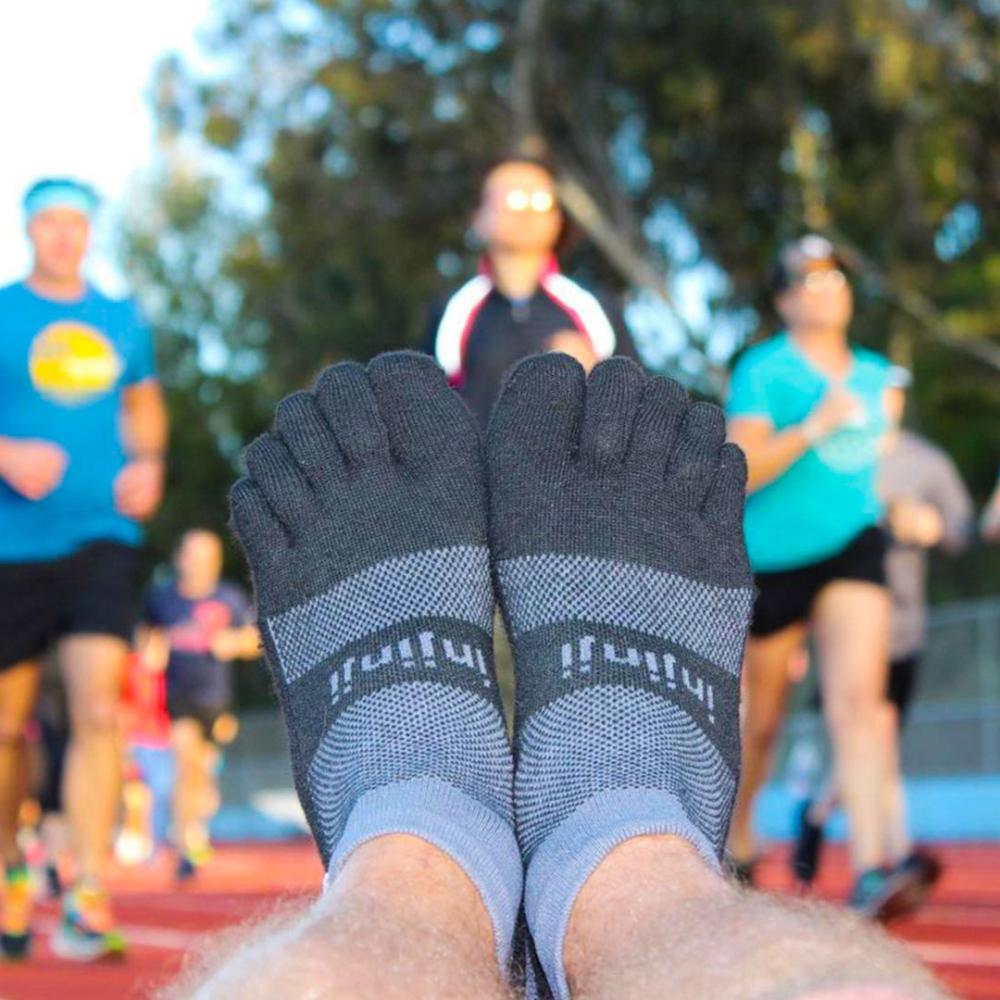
[{"x": 73, "y": 363}]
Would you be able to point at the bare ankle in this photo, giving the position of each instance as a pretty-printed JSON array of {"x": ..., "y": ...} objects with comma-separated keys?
[
  {"x": 410, "y": 877},
  {"x": 612, "y": 905}
]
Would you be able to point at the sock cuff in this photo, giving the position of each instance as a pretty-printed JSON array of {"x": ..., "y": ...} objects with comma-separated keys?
[
  {"x": 479, "y": 841},
  {"x": 571, "y": 852}
]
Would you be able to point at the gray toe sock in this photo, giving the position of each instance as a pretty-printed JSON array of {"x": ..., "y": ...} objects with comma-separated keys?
[
  {"x": 363, "y": 519},
  {"x": 616, "y": 530}
]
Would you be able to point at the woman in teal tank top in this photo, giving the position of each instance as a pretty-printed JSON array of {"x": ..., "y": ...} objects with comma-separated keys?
[{"x": 809, "y": 411}]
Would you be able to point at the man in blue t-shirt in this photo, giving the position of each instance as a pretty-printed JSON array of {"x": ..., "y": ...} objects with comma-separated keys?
[
  {"x": 809, "y": 410},
  {"x": 195, "y": 625},
  {"x": 83, "y": 430}
]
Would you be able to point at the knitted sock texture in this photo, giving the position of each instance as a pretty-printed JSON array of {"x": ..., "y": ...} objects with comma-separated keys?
[
  {"x": 616, "y": 534},
  {"x": 363, "y": 519}
]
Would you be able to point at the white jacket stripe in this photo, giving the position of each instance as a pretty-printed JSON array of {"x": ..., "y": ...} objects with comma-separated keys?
[
  {"x": 578, "y": 300},
  {"x": 455, "y": 320}
]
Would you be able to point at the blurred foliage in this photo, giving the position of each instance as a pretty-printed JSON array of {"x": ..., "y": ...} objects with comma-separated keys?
[{"x": 317, "y": 168}]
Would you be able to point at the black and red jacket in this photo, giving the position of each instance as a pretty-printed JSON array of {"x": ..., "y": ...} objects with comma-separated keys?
[{"x": 477, "y": 333}]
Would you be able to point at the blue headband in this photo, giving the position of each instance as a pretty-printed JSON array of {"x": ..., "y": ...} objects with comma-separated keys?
[{"x": 60, "y": 194}]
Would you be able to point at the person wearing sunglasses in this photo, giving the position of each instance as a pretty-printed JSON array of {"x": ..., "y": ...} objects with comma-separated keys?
[
  {"x": 519, "y": 303},
  {"x": 809, "y": 410}
]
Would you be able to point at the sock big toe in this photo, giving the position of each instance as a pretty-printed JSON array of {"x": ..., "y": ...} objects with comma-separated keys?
[
  {"x": 363, "y": 519},
  {"x": 616, "y": 530}
]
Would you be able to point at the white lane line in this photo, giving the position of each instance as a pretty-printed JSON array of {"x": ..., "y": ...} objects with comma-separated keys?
[
  {"x": 957, "y": 954},
  {"x": 164, "y": 938}
]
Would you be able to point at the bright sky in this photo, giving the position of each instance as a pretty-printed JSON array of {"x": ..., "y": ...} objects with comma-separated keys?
[{"x": 74, "y": 100}]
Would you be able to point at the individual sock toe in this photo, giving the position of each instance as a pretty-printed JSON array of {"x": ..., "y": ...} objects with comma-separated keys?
[
  {"x": 614, "y": 390},
  {"x": 661, "y": 410},
  {"x": 725, "y": 501},
  {"x": 344, "y": 395},
  {"x": 255, "y": 522},
  {"x": 300, "y": 424},
  {"x": 694, "y": 461},
  {"x": 277, "y": 474},
  {"x": 540, "y": 409},
  {"x": 424, "y": 416}
]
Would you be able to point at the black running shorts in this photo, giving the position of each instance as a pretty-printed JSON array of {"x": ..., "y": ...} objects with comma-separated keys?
[
  {"x": 902, "y": 684},
  {"x": 92, "y": 591},
  {"x": 787, "y": 597}
]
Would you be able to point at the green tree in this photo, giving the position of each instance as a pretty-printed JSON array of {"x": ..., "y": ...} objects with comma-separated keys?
[{"x": 314, "y": 183}]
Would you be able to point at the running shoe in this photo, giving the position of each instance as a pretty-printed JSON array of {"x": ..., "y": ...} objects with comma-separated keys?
[
  {"x": 86, "y": 932},
  {"x": 808, "y": 843},
  {"x": 921, "y": 870},
  {"x": 15, "y": 913},
  {"x": 192, "y": 860},
  {"x": 880, "y": 893},
  {"x": 186, "y": 869}
]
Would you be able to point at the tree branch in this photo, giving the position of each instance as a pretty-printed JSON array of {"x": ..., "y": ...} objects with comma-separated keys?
[
  {"x": 524, "y": 73},
  {"x": 622, "y": 252},
  {"x": 624, "y": 257}
]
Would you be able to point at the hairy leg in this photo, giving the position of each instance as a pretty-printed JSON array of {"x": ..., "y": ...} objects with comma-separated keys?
[
  {"x": 92, "y": 667},
  {"x": 765, "y": 699},
  {"x": 653, "y": 919},
  {"x": 18, "y": 688},
  {"x": 852, "y": 635},
  {"x": 400, "y": 920}
]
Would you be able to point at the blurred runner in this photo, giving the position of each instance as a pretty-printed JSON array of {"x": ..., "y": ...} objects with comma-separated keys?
[
  {"x": 200, "y": 624},
  {"x": 82, "y": 434},
  {"x": 519, "y": 303},
  {"x": 927, "y": 506},
  {"x": 809, "y": 410},
  {"x": 149, "y": 774}
]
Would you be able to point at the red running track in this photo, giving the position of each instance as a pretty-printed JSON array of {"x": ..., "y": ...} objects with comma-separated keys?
[{"x": 957, "y": 933}]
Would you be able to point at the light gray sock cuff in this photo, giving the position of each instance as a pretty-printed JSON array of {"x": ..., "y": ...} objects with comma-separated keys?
[
  {"x": 568, "y": 856},
  {"x": 473, "y": 836}
]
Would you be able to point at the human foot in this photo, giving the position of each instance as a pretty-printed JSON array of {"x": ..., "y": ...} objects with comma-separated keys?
[
  {"x": 364, "y": 522},
  {"x": 616, "y": 530}
]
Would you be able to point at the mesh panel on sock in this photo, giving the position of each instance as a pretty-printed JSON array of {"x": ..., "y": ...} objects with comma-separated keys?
[
  {"x": 555, "y": 587},
  {"x": 603, "y": 738},
  {"x": 452, "y": 582},
  {"x": 406, "y": 731}
]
